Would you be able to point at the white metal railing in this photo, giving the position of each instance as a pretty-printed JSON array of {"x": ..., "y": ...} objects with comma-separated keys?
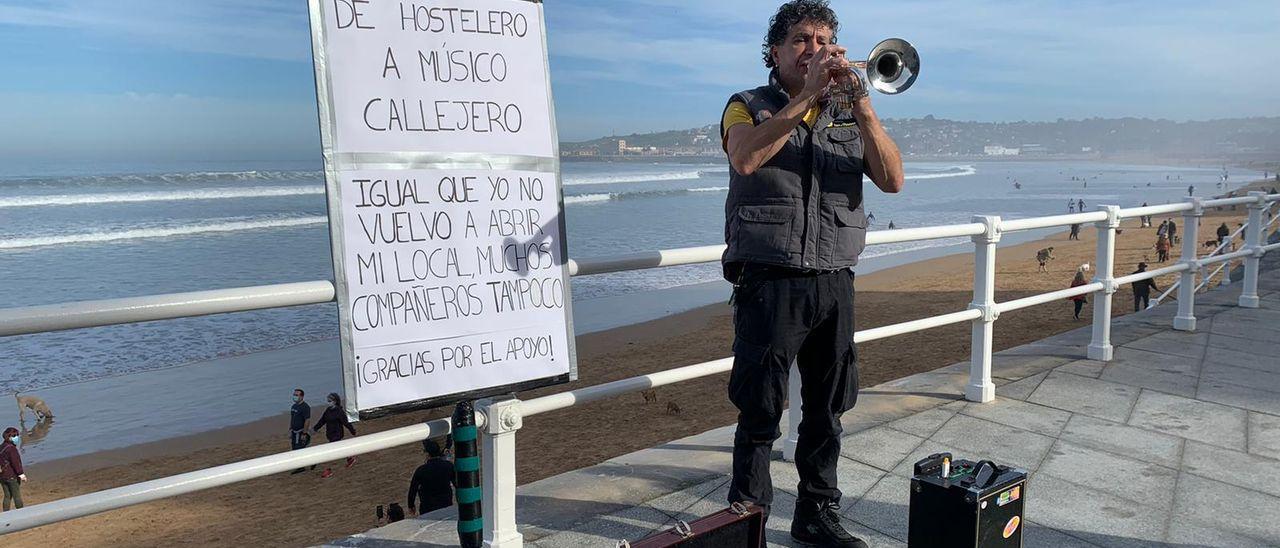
[
  {"x": 500, "y": 419},
  {"x": 1216, "y": 256}
]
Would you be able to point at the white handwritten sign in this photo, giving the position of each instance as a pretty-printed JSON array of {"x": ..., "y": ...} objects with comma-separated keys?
[
  {"x": 438, "y": 76},
  {"x": 452, "y": 280}
]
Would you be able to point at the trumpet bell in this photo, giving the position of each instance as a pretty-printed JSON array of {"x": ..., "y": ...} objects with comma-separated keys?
[{"x": 893, "y": 66}]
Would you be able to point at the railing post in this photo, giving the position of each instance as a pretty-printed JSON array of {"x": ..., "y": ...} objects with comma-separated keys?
[
  {"x": 498, "y": 453},
  {"x": 1100, "y": 348},
  {"x": 1253, "y": 241},
  {"x": 793, "y": 414},
  {"x": 980, "y": 387},
  {"x": 1186, "y": 318}
]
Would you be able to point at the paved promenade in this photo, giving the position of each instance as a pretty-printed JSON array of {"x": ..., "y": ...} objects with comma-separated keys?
[{"x": 1172, "y": 443}]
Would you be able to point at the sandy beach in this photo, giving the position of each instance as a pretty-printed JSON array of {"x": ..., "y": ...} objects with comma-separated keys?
[{"x": 300, "y": 510}]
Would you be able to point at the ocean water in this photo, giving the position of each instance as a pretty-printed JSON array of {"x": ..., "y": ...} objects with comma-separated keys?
[{"x": 73, "y": 234}]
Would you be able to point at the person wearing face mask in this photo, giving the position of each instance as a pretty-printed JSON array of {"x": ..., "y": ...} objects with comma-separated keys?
[
  {"x": 11, "y": 476},
  {"x": 333, "y": 420},
  {"x": 299, "y": 420}
]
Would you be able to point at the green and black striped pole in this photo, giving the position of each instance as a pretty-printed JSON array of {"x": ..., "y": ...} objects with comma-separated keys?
[{"x": 466, "y": 469}]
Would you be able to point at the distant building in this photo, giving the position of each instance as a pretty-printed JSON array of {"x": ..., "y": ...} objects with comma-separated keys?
[
  {"x": 1034, "y": 149},
  {"x": 997, "y": 150}
]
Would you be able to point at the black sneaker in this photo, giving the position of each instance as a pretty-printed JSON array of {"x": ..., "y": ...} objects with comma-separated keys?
[{"x": 818, "y": 523}]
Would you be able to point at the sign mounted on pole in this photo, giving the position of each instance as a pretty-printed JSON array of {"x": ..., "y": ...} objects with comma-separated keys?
[{"x": 446, "y": 215}]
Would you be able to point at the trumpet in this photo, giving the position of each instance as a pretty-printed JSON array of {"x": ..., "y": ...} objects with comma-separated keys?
[{"x": 890, "y": 68}]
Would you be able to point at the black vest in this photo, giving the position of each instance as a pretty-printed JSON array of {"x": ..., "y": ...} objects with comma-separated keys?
[{"x": 802, "y": 208}]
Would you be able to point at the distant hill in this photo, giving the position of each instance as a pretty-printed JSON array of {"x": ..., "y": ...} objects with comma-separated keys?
[{"x": 929, "y": 136}]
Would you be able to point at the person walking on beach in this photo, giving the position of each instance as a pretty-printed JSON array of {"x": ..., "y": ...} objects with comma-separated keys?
[
  {"x": 1145, "y": 220},
  {"x": 1173, "y": 232},
  {"x": 1142, "y": 289},
  {"x": 11, "y": 474},
  {"x": 431, "y": 487},
  {"x": 1223, "y": 232},
  {"x": 299, "y": 421},
  {"x": 1078, "y": 300},
  {"x": 1043, "y": 257},
  {"x": 1162, "y": 248},
  {"x": 795, "y": 225},
  {"x": 1163, "y": 229},
  {"x": 334, "y": 419},
  {"x": 1075, "y": 232}
]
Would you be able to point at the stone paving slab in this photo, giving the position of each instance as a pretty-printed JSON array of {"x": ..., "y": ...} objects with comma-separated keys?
[
  {"x": 1189, "y": 345},
  {"x": 1152, "y": 378},
  {"x": 1027, "y": 416},
  {"x": 1123, "y": 477},
  {"x": 1244, "y": 397},
  {"x": 1172, "y": 443},
  {"x": 1076, "y": 394},
  {"x": 1264, "y": 434},
  {"x": 1121, "y": 439},
  {"x": 1227, "y": 507},
  {"x": 1191, "y": 418}
]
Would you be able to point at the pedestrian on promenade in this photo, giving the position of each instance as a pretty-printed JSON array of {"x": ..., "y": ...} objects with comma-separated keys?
[
  {"x": 431, "y": 487},
  {"x": 1142, "y": 289},
  {"x": 1080, "y": 205},
  {"x": 334, "y": 419},
  {"x": 299, "y": 421},
  {"x": 1071, "y": 206},
  {"x": 1078, "y": 300},
  {"x": 11, "y": 473},
  {"x": 794, "y": 230}
]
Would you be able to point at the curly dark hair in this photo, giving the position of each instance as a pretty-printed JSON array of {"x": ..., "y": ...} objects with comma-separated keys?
[{"x": 797, "y": 11}]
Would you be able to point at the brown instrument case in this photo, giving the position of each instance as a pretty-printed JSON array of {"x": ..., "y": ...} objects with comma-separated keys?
[{"x": 737, "y": 526}]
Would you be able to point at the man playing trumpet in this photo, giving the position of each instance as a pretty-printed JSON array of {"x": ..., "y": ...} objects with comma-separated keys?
[{"x": 795, "y": 226}]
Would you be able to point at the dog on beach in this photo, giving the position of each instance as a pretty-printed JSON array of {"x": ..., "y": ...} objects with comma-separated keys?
[
  {"x": 37, "y": 406},
  {"x": 650, "y": 396},
  {"x": 672, "y": 408},
  {"x": 1210, "y": 244}
]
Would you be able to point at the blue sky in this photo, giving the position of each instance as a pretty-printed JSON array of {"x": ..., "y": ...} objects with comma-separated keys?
[{"x": 146, "y": 80}]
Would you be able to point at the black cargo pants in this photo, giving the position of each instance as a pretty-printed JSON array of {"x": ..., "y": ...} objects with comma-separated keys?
[{"x": 783, "y": 314}]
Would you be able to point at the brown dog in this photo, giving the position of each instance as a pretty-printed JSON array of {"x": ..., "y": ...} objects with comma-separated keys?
[
  {"x": 650, "y": 396},
  {"x": 36, "y": 405},
  {"x": 672, "y": 408}
]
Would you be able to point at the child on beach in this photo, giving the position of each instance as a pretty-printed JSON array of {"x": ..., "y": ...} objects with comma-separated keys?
[
  {"x": 334, "y": 419},
  {"x": 1162, "y": 249},
  {"x": 11, "y": 474},
  {"x": 1078, "y": 300}
]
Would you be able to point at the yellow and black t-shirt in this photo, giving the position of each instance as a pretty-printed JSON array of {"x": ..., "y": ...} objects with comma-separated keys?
[{"x": 737, "y": 113}]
